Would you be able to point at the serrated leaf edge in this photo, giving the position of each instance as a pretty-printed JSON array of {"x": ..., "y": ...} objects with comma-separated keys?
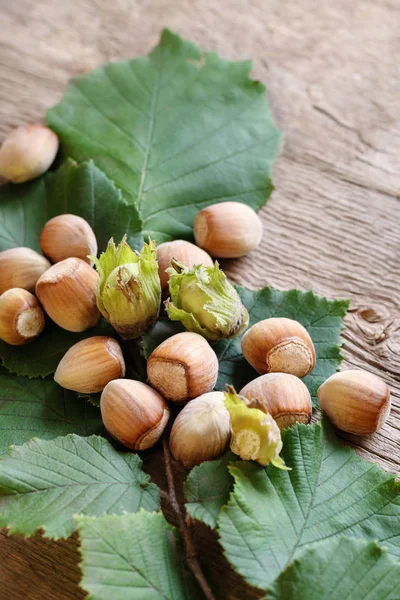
[{"x": 42, "y": 528}]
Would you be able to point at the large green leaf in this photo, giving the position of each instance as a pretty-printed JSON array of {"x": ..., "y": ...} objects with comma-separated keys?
[
  {"x": 82, "y": 190},
  {"x": 41, "y": 408},
  {"x": 44, "y": 483},
  {"x": 207, "y": 489},
  {"x": 176, "y": 130},
  {"x": 339, "y": 569},
  {"x": 321, "y": 317},
  {"x": 133, "y": 557},
  {"x": 41, "y": 357},
  {"x": 330, "y": 491}
]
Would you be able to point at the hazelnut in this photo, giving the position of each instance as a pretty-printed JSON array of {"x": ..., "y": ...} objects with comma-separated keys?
[
  {"x": 67, "y": 292},
  {"x": 228, "y": 229},
  {"x": 201, "y": 431},
  {"x": 186, "y": 253},
  {"x": 183, "y": 367},
  {"x": 21, "y": 268},
  {"x": 27, "y": 152},
  {"x": 355, "y": 401},
  {"x": 68, "y": 236},
  {"x": 21, "y": 318},
  {"x": 285, "y": 397},
  {"x": 133, "y": 413},
  {"x": 279, "y": 345},
  {"x": 90, "y": 364}
]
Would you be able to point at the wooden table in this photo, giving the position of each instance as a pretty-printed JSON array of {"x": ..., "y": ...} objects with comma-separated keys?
[{"x": 332, "y": 225}]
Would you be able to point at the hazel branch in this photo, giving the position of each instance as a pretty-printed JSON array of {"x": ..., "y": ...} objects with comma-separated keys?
[{"x": 190, "y": 549}]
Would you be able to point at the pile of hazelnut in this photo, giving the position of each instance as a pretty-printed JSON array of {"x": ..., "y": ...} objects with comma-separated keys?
[{"x": 183, "y": 369}]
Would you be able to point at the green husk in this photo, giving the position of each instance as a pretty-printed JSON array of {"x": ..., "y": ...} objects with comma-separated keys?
[
  {"x": 129, "y": 289},
  {"x": 205, "y": 302}
]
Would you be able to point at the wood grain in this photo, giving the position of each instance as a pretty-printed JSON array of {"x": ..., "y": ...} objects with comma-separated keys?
[{"x": 332, "y": 225}]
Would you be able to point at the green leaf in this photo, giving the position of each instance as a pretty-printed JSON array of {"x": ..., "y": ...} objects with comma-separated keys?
[
  {"x": 133, "y": 557},
  {"x": 44, "y": 483},
  {"x": 41, "y": 408},
  {"x": 207, "y": 489},
  {"x": 82, "y": 190},
  {"x": 329, "y": 492},
  {"x": 321, "y": 317},
  {"x": 41, "y": 357},
  {"x": 339, "y": 569},
  {"x": 190, "y": 129}
]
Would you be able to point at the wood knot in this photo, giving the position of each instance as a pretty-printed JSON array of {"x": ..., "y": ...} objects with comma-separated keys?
[
  {"x": 371, "y": 315},
  {"x": 373, "y": 322}
]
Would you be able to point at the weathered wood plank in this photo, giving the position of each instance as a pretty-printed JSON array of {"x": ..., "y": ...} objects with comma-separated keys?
[{"x": 332, "y": 224}]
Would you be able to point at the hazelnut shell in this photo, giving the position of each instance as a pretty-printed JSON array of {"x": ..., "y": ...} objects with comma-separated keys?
[
  {"x": 285, "y": 397},
  {"x": 279, "y": 345},
  {"x": 355, "y": 401},
  {"x": 183, "y": 367}
]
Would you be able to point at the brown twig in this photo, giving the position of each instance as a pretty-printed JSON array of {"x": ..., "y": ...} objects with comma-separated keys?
[{"x": 190, "y": 549}]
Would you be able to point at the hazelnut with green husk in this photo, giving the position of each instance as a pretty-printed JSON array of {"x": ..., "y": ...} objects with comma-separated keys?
[
  {"x": 255, "y": 434},
  {"x": 204, "y": 428},
  {"x": 129, "y": 291},
  {"x": 205, "y": 302}
]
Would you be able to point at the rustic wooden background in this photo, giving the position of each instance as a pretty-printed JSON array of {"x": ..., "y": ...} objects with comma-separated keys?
[{"x": 332, "y": 225}]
